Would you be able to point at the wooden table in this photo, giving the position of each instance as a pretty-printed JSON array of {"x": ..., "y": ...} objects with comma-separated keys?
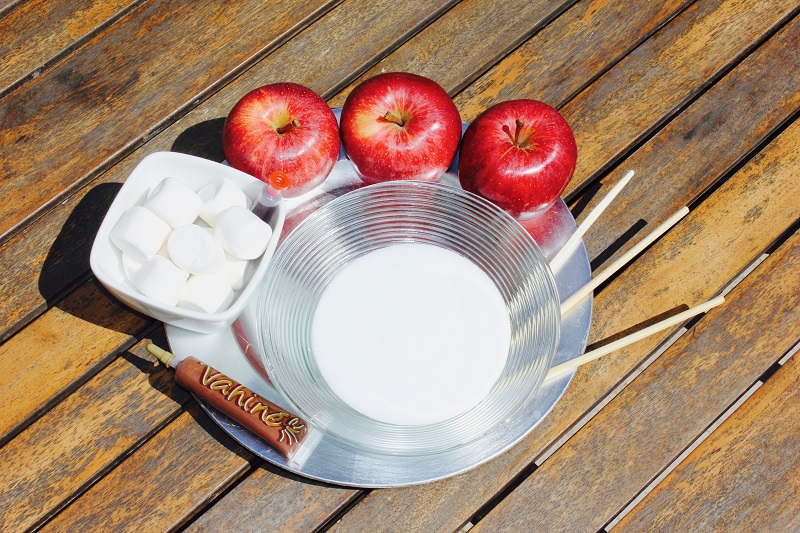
[{"x": 697, "y": 431}]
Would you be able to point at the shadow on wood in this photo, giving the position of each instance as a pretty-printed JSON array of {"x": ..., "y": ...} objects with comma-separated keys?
[
  {"x": 67, "y": 261},
  {"x": 204, "y": 139}
]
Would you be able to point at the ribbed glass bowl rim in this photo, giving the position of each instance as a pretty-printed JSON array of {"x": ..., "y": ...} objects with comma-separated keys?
[{"x": 400, "y": 212}]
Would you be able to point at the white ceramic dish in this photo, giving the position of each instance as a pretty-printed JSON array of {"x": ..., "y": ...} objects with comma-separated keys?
[{"x": 106, "y": 259}]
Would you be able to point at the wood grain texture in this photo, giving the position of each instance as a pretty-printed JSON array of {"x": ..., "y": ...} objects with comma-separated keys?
[
  {"x": 688, "y": 266},
  {"x": 52, "y": 255},
  {"x": 458, "y": 58},
  {"x": 158, "y": 486},
  {"x": 25, "y": 48},
  {"x": 121, "y": 85},
  {"x": 7, "y": 5},
  {"x": 565, "y": 56},
  {"x": 664, "y": 73},
  {"x": 315, "y": 58},
  {"x": 745, "y": 476},
  {"x": 705, "y": 142},
  {"x": 682, "y": 392},
  {"x": 299, "y": 504},
  {"x": 664, "y": 287},
  {"x": 73, "y": 444},
  {"x": 59, "y": 351},
  {"x": 304, "y": 57}
]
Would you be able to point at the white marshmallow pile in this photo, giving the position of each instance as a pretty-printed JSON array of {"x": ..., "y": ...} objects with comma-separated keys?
[{"x": 170, "y": 256}]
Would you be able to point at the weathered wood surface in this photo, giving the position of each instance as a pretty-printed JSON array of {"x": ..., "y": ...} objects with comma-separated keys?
[
  {"x": 706, "y": 141},
  {"x": 667, "y": 407},
  {"x": 465, "y": 42},
  {"x": 172, "y": 482},
  {"x": 686, "y": 128},
  {"x": 61, "y": 349},
  {"x": 52, "y": 255},
  {"x": 671, "y": 68},
  {"x": 86, "y": 435},
  {"x": 745, "y": 476},
  {"x": 119, "y": 87},
  {"x": 656, "y": 291},
  {"x": 304, "y": 505},
  {"x": 688, "y": 266},
  {"x": 567, "y": 55},
  {"x": 25, "y": 49}
]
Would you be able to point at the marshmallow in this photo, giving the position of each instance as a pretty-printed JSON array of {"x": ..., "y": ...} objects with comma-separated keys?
[
  {"x": 174, "y": 202},
  {"x": 234, "y": 271},
  {"x": 242, "y": 234},
  {"x": 131, "y": 267},
  {"x": 139, "y": 233},
  {"x": 207, "y": 293},
  {"x": 161, "y": 280},
  {"x": 218, "y": 196},
  {"x": 193, "y": 249}
]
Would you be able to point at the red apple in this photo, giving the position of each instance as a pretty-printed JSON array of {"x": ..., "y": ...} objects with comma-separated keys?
[
  {"x": 519, "y": 154},
  {"x": 282, "y": 127},
  {"x": 400, "y": 126}
]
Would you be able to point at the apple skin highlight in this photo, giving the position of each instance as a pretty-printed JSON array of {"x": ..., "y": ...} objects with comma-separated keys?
[
  {"x": 283, "y": 127},
  {"x": 519, "y": 154},
  {"x": 400, "y": 126}
]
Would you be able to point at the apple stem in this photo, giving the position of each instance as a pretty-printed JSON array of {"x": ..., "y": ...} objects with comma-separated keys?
[
  {"x": 515, "y": 137},
  {"x": 286, "y": 128},
  {"x": 394, "y": 119}
]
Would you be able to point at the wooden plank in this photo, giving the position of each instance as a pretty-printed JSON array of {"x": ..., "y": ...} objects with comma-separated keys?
[
  {"x": 668, "y": 287},
  {"x": 78, "y": 441},
  {"x": 26, "y": 49},
  {"x": 346, "y": 22},
  {"x": 705, "y": 142},
  {"x": 688, "y": 266},
  {"x": 7, "y": 5},
  {"x": 59, "y": 351},
  {"x": 75, "y": 222},
  {"x": 298, "y": 504},
  {"x": 44, "y": 263},
  {"x": 635, "y": 97},
  {"x": 456, "y": 60},
  {"x": 52, "y": 255},
  {"x": 664, "y": 409},
  {"x": 122, "y": 85},
  {"x": 562, "y": 59},
  {"x": 745, "y": 476},
  {"x": 170, "y": 480}
]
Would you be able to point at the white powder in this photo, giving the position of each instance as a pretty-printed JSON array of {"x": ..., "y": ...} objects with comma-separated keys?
[{"x": 411, "y": 334}]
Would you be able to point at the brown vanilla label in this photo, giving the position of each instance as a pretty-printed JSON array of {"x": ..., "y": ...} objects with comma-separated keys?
[{"x": 291, "y": 427}]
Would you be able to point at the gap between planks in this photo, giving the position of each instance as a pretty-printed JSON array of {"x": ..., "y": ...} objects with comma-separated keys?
[
  {"x": 126, "y": 149},
  {"x": 665, "y": 345},
  {"x": 700, "y": 439},
  {"x": 672, "y": 339},
  {"x": 609, "y": 399},
  {"x": 613, "y": 164},
  {"x": 68, "y": 49}
]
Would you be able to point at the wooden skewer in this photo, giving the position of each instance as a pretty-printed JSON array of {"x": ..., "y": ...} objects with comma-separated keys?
[
  {"x": 584, "y": 291},
  {"x": 562, "y": 255},
  {"x": 563, "y": 368}
]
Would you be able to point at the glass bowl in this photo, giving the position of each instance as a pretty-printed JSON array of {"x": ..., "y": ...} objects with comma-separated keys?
[{"x": 375, "y": 217}]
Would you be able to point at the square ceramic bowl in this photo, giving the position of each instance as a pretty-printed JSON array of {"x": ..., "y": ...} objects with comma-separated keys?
[{"x": 106, "y": 259}]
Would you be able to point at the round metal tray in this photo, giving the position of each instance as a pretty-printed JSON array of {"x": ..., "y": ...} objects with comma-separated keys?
[{"x": 326, "y": 459}]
